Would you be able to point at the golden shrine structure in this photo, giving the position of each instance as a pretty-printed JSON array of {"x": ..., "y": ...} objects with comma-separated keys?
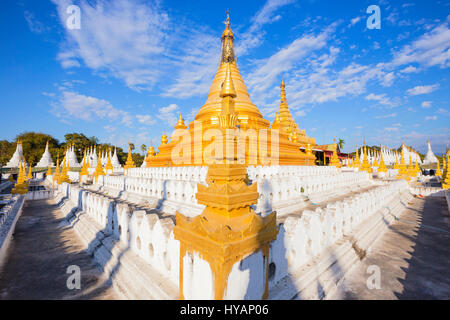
[{"x": 257, "y": 143}]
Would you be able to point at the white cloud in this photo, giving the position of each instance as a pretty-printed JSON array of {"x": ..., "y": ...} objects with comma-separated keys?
[
  {"x": 34, "y": 25},
  {"x": 70, "y": 104},
  {"x": 145, "y": 119},
  {"x": 110, "y": 29},
  {"x": 391, "y": 115},
  {"x": 269, "y": 70},
  {"x": 422, "y": 89},
  {"x": 382, "y": 99},
  {"x": 254, "y": 36},
  {"x": 355, "y": 20},
  {"x": 169, "y": 114},
  {"x": 426, "y": 104},
  {"x": 431, "y": 49},
  {"x": 431, "y": 118},
  {"x": 443, "y": 111},
  {"x": 392, "y": 129},
  {"x": 410, "y": 69}
]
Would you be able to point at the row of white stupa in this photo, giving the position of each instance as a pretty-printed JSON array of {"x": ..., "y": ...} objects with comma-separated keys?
[
  {"x": 69, "y": 156},
  {"x": 391, "y": 156}
]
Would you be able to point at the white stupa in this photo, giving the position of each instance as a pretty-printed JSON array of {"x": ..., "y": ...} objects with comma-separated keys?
[
  {"x": 46, "y": 159},
  {"x": 430, "y": 157},
  {"x": 17, "y": 157},
  {"x": 410, "y": 152},
  {"x": 115, "y": 160},
  {"x": 71, "y": 157},
  {"x": 93, "y": 158}
]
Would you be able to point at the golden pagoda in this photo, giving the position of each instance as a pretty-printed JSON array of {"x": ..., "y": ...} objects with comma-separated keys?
[
  {"x": 396, "y": 165},
  {"x": 258, "y": 144},
  {"x": 64, "y": 177},
  {"x": 438, "y": 171},
  {"x": 375, "y": 163},
  {"x": 446, "y": 176},
  {"x": 417, "y": 168},
  {"x": 444, "y": 165},
  {"x": 49, "y": 171},
  {"x": 382, "y": 166},
  {"x": 57, "y": 173},
  {"x": 411, "y": 171},
  {"x": 84, "y": 169},
  {"x": 130, "y": 162},
  {"x": 150, "y": 153},
  {"x": 30, "y": 174},
  {"x": 98, "y": 169},
  {"x": 109, "y": 167},
  {"x": 365, "y": 165},
  {"x": 286, "y": 123},
  {"x": 20, "y": 187},
  {"x": 11, "y": 178},
  {"x": 335, "y": 159},
  {"x": 228, "y": 229},
  {"x": 356, "y": 163},
  {"x": 402, "y": 170}
]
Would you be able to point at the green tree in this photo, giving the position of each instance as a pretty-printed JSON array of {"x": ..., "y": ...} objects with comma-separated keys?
[
  {"x": 341, "y": 143},
  {"x": 137, "y": 159},
  {"x": 33, "y": 145},
  {"x": 6, "y": 151},
  {"x": 143, "y": 148},
  {"x": 80, "y": 142},
  {"x": 131, "y": 146}
]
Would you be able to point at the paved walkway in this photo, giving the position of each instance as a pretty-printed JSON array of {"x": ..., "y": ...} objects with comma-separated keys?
[
  {"x": 40, "y": 254},
  {"x": 413, "y": 257}
]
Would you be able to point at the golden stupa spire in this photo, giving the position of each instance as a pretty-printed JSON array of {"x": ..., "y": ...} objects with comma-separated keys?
[
  {"x": 98, "y": 170},
  {"x": 227, "y": 43},
  {"x": 180, "y": 124},
  {"x": 228, "y": 117},
  {"x": 228, "y": 86},
  {"x": 248, "y": 112},
  {"x": 355, "y": 163},
  {"x": 130, "y": 162},
  {"x": 283, "y": 93},
  {"x": 446, "y": 175},
  {"x": 438, "y": 171},
  {"x": 11, "y": 178},
  {"x": 382, "y": 166},
  {"x": 30, "y": 174},
  {"x": 109, "y": 167},
  {"x": 20, "y": 187}
]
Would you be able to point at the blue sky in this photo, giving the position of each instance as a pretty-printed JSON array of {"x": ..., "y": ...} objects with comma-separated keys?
[{"x": 134, "y": 65}]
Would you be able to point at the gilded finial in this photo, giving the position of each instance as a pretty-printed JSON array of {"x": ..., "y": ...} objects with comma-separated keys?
[
  {"x": 180, "y": 124},
  {"x": 227, "y": 43},
  {"x": 228, "y": 86}
]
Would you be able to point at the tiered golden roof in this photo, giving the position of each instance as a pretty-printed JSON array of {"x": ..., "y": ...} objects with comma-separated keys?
[
  {"x": 286, "y": 123},
  {"x": 197, "y": 144}
]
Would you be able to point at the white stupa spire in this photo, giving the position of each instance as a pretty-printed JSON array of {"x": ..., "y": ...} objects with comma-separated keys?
[
  {"x": 16, "y": 157},
  {"x": 430, "y": 157},
  {"x": 115, "y": 160},
  {"x": 46, "y": 159}
]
